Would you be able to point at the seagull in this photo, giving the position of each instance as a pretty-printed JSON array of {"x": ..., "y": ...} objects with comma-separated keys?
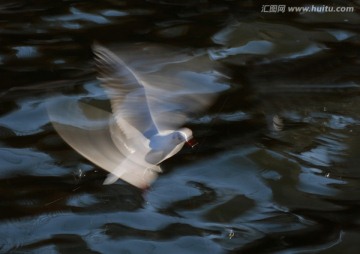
[{"x": 150, "y": 105}]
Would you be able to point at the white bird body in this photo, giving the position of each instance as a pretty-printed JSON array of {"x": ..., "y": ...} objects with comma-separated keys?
[{"x": 148, "y": 110}]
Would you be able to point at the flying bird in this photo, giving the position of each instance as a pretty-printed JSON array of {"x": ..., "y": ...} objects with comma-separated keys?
[{"x": 153, "y": 92}]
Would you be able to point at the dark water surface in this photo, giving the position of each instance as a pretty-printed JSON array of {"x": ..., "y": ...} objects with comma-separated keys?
[{"x": 278, "y": 165}]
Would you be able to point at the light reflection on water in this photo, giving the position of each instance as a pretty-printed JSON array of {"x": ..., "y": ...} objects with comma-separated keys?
[{"x": 248, "y": 188}]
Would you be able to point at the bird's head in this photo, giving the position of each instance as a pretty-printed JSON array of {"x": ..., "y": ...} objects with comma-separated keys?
[{"x": 185, "y": 135}]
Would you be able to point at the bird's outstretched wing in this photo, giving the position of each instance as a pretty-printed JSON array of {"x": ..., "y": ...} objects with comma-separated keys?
[
  {"x": 127, "y": 94},
  {"x": 88, "y": 130},
  {"x": 154, "y": 88}
]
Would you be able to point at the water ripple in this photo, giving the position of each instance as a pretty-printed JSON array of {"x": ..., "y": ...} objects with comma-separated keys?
[{"x": 247, "y": 188}]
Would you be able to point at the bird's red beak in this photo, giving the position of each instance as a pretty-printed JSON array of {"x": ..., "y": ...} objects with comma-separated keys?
[{"x": 192, "y": 142}]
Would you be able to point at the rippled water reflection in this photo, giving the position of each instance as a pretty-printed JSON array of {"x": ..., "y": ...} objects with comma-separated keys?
[{"x": 277, "y": 169}]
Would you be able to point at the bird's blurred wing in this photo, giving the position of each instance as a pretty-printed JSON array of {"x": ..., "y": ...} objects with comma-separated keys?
[
  {"x": 126, "y": 92},
  {"x": 86, "y": 129},
  {"x": 178, "y": 91},
  {"x": 166, "y": 86}
]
